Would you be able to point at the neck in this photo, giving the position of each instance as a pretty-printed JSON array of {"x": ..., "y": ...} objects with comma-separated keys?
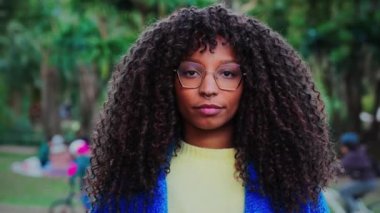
[{"x": 215, "y": 139}]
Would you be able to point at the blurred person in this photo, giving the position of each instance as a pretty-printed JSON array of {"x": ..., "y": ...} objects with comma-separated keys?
[
  {"x": 211, "y": 111},
  {"x": 80, "y": 151},
  {"x": 65, "y": 110},
  {"x": 52, "y": 159},
  {"x": 358, "y": 167},
  {"x": 43, "y": 152},
  {"x": 59, "y": 157}
]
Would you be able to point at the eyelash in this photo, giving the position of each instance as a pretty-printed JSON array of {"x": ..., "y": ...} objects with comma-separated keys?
[
  {"x": 186, "y": 72},
  {"x": 192, "y": 73}
]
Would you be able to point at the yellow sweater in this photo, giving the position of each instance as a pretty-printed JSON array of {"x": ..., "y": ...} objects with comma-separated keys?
[{"x": 201, "y": 180}]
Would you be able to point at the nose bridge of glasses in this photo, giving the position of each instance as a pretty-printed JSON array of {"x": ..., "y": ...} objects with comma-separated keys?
[{"x": 209, "y": 80}]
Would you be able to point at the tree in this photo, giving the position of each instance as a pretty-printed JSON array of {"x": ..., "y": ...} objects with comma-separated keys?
[{"x": 340, "y": 42}]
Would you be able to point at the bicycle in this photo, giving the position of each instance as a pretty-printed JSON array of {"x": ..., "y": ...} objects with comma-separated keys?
[
  {"x": 80, "y": 151},
  {"x": 65, "y": 205}
]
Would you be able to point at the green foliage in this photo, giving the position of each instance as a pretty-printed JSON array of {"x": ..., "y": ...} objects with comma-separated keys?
[
  {"x": 98, "y": 33},
  {"x": 342, "y": 36},
  {"x": 367, "y": 102},
  {"x": 19, "y": 57},
  {"x": 69, "y": 34}
]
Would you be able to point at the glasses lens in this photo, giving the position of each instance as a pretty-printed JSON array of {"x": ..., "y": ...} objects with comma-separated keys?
[
  {"x": 189, "y": 78},
  {"x": 228, "y": 77}
]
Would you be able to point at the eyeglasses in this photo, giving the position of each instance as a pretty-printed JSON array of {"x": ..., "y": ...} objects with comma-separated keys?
[{"x": 227, "y": 76}]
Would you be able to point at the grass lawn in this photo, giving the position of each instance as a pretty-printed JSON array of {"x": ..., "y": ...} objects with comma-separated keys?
[
  {"x": 27, "y": 191},
  {"x": 23, "y": 191}
]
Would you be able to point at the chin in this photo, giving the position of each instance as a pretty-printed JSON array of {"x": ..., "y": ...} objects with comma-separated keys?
[{"x": 209, "y": 125}]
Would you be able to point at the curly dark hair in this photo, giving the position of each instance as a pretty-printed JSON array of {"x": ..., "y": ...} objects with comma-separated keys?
[{"x": 280, "y": 127}]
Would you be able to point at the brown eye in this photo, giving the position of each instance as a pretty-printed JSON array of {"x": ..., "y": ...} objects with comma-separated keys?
[
  {"x": 188, "y": 73},
  {"x": 228, "y": 74},
  {"x": 229, "y": 71},
  {"x": 189, "y": 70}
]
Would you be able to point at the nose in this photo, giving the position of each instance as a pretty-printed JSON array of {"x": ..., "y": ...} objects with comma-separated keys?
[{"x": 208, "y": 87}]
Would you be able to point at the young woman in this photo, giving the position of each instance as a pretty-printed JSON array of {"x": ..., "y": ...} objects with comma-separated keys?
[{"x": 211, "y": 111}]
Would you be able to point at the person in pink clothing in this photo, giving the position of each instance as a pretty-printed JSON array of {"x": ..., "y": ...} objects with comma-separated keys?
[{"x": 81, "y": 153}]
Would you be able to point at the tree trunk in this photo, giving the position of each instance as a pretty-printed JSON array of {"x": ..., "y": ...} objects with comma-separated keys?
[
  {"x": 49, "y": 99},
  {"x": 88, "y": 96},
  {"x": 353, "y": 86},
  {"x": 375, "y": 127},
  {"x": 372, "y": 137}
]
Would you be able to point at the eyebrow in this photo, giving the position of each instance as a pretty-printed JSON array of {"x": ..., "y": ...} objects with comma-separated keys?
[{"x": 222, "y": 61}]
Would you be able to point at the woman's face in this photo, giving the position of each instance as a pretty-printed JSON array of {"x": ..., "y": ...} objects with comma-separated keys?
[{"x": 203, "y": 102}]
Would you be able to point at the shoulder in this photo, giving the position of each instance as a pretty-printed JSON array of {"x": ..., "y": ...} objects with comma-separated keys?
[
  {"x": 119, "y": 205},
  {"x": 320, "y": 206},
  {"x": 255, "y": 200}
]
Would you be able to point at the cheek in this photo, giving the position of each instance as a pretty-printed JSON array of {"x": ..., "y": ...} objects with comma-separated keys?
[
  {"x": 182, "y": 97},
  {"x": 234, "y": 101},
  {"x": 178, "y": 91}
]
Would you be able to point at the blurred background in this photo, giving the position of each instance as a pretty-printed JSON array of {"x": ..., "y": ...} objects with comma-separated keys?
[{"x": 56, "y": 57}]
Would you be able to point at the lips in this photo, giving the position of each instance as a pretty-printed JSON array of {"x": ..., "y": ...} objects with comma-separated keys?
[{"x": 209, "y": 109}]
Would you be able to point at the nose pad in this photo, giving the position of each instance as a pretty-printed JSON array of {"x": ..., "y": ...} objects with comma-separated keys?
[{"x": 208, "y": 86}]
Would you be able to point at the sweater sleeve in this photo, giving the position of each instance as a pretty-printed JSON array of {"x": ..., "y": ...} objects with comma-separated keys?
[
  {"x": 111, "y": 207},
  {"x": 319, "y": 207}
]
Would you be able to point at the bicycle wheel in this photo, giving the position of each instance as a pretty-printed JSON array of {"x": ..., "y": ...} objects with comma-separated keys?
[{"x": 61, "y": 206}]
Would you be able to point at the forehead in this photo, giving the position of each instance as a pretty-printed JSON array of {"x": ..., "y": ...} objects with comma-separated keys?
[{"x": 222, "y": 52}]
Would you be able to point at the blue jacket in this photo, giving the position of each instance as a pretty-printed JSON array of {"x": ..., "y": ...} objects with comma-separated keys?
[{"x": 254, "y": 201}]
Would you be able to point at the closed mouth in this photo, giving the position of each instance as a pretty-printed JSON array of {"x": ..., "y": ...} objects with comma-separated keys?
[{"x": 208, "y": 106}]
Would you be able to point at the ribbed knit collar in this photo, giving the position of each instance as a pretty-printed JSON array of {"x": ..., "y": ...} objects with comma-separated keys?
[{"x": 209, "y": 153}]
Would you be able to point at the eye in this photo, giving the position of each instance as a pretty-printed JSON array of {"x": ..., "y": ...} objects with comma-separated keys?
[
  {"x": 227, "y": 74},
  {"x": 189, "y": 73}
]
